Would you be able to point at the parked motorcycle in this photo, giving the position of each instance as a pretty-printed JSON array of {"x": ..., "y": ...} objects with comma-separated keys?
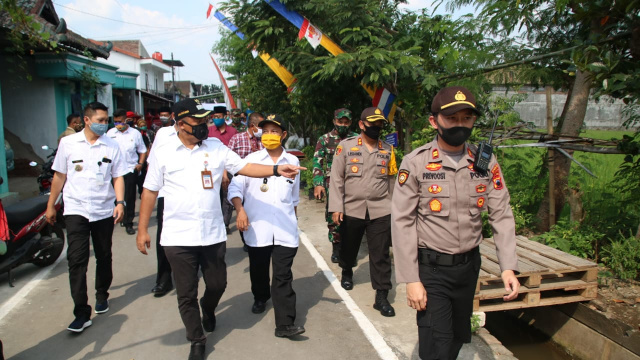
[
  {"x": 31, "y": 239},
  {"x": 46, "y": 176}
]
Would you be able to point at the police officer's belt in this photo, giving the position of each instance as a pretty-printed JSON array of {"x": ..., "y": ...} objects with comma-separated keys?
[{"x": 432, "y": 257}]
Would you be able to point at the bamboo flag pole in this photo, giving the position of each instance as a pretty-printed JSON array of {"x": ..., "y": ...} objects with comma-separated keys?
[{"x": 552, "y": 180}]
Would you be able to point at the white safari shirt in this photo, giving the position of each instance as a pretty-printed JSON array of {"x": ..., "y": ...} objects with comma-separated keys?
[
  {"x": 89, "y": 168},
  {"x": 163, "y": 135},
  {"x": 271, "y": 214},
  {"x": 192, "y": 214},
  {"x": 131, "y": 144}
]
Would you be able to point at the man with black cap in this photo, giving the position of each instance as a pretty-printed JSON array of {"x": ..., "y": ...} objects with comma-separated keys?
[
  {"x": 267, "y": 216},
  {"x": 322, "y": 160},
  {"x": 223, "y": 132},
  {"x": 360, "y": 193},
  {"x": 189, "y": 168},
  {"x": 437, "y": 226}
]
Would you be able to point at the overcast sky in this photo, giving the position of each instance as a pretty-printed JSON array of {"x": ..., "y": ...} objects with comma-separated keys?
[{"x": 180, "y": 27}]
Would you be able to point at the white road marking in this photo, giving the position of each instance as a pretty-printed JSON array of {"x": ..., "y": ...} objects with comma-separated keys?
[
  {"x": 19, "y": 297},
  {"x": 370, "y": 332}
]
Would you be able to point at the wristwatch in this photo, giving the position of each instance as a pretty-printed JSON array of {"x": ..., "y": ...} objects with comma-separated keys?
[
  {"x": 121, "y": 202},
  {"x": 275, "y": 170}
]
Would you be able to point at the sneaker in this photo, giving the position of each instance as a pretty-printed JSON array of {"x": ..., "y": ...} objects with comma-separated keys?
[
  {"x": 289, "y": 330},
  {"x": 102, "y": 307},
  {"x": 79, "y": 324}
]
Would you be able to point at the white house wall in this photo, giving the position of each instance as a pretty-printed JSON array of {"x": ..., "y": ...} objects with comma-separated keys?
[{"x": 29, "y": 109}]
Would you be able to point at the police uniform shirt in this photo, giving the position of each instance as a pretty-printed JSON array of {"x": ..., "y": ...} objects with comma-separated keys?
[
  {"x": 89, "y": 169},
  {"x": 162, "y": 135},
  {"x": 271, "y": 213},
  {"x": 131, "y": 144},
  {"x": 192, "y": 214},
  {"x": 360, "y": 180},
  {"x": 437, "y": 205}
]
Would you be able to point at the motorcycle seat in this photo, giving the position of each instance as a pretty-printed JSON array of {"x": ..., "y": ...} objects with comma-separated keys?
[{"x": 25, "y": 211}]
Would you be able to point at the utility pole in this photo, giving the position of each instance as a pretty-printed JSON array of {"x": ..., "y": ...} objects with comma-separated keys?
[{"x": 173, "y": 78}]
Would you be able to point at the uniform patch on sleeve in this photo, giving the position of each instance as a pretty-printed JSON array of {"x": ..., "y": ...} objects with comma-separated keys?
[
  {"x": 403, "y": 175},
  {"x": 435, "y": 205},
  {"x": 338, "y": 149},
  {"x": 497, "y": 183},
  {"x": 496, "y": 170}
]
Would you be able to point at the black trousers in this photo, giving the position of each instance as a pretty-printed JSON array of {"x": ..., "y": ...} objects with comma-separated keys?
[
  {"x": 130, "y": 197},
  {"x": 446, "y": 323},
  {"x": 79, "y": 229},
  {"x": 284, "y": 298},
  {"x": 378, "y": 239},
  {"x": 185, "y": 262},
  {"x": 164, "y": 268}
]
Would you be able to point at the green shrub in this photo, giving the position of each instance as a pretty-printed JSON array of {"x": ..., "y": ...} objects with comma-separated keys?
[
  {"x": 623, "y": 258},
  {"x": 572, "y": 238}
]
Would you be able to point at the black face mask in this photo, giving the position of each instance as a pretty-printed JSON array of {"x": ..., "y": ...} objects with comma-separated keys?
[
  {"x": 454, "y": 136},
  {"x": 200, "y": 131},
  {"x": 372, "y": 131}
]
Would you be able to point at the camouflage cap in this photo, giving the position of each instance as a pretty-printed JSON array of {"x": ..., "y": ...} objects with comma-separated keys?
[
  {"x": 236, "y": 112},
  {"x": 342, "y": 112}
]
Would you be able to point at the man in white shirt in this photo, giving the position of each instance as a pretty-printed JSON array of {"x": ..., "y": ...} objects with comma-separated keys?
[
  {"x": 270, "y": 205},
  {"x": 189, "y": 169},
  {"x": 134, "y": 153},
  {"x": 85, "y": 164}
]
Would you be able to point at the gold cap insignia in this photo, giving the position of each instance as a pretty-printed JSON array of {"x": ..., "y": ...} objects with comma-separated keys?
[
  {"x": 271, "y": 117},
  {"x": 378, "y": 112},
  {"x": 460, "y": 96}
]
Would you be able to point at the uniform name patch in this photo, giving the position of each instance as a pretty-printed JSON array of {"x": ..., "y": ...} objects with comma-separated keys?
[
  {"x": 435, "y": 205},
  {"x": 433, "y": 166},
  {"x": 354, "y": 153},
  {"x": 403, "y": 175},
  {"x": 432, "y": 176},
  {"x": 435, "y": 189},
  {"x": 477, "y": 175}
]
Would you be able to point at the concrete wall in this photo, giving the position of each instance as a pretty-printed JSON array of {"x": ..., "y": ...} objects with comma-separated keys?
[
  {"x": 29, "y": 109},
  {"x": 606, "y": 113}
]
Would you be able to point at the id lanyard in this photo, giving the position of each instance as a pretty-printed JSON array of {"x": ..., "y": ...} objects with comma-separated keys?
[{"x": 207, "y": 178}]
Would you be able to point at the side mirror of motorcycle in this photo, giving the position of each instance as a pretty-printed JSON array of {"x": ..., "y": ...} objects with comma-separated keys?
[
  {"x": 33, "y": 163},
  {"x": 45, "y": 147}
]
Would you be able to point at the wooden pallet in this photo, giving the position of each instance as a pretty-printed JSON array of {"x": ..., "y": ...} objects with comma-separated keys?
[{"x": 547, "y": 277}]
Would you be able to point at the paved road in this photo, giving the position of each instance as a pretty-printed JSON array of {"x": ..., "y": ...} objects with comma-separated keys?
[{"x": 340, "y": 324}]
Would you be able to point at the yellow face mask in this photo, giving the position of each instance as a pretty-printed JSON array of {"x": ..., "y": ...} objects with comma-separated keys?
[{"x": 270, "y": 141}]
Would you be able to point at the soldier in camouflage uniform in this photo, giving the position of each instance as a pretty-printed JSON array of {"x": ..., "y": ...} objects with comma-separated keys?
[
  {"x": 322, "y": 160},
  {"x": 236, "y": 121}
]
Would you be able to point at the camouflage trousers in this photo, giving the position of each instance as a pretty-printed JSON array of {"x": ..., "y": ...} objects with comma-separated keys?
[{"x": 334, "y": 230}]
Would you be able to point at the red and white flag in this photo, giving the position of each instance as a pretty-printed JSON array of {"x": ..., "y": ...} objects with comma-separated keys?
[
  {"x": 209, "y": 10},
  {"x": 312, "y": 33}
]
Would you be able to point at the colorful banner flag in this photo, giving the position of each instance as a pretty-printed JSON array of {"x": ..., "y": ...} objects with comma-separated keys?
[
  {"x": 382, "y": 98},
  {"x": 283, "y": 74},
  {"x": 209, "y": 10},
  {"x": 228, "y": 99}
]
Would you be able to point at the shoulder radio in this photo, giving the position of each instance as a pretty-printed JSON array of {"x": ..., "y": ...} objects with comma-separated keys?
[{"x": 484, "y": 152}]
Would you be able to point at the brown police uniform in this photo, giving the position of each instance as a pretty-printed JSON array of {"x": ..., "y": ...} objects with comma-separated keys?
[
  {"x": 361, "y": 188},
  {"x": 437, "y": 227}
]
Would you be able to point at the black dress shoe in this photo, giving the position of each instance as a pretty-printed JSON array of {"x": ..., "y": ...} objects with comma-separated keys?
[
  {"x": 289, "y": 330},
  {"x": 130, "y": 230},
  {"x": 347, "y": 279},
  {"x": 208, "y": 320},
  {"x": 197, "y": 351},
  {"x": 382, "y": 304},
  {"x": 161, "y": 289},
  {"x": 258, "y": 307}
]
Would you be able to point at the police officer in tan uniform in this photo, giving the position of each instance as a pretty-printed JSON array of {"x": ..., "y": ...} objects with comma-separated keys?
[
  {"x": 437, "y": 226},
  {"x": 360, "y": 192}
]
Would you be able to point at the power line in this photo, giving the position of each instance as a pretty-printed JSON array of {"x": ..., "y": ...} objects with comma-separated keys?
[{"x": 130, "y": 23}]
